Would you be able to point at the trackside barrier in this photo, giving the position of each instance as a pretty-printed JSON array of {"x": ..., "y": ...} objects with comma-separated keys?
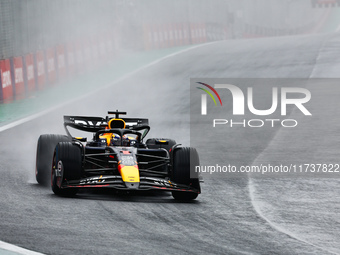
[
  {"x": 203, "y": 33},
  {"x": 79, "y": 57},
  {"x": 193, "y": 35},
  {"x": 61, "y": 62},
  {"x": 173, "y": 35},
  {"x": 6, "y": 81},
  {"x": 95, "y": 51},
  {"x": 1, "y": 96},
  {"x": 177, "y": 34},
  {"x": 195, "y": 29},
  {"x": 109, "y": 47},
  {"x": 146, "y": 38},
  {"x": 30, "y": 77},
  {"x": 70, "y": 59},
  {"x": 116, "y": 43},
  {"x": 40, "y": 67},
  {"x": 180, "y": 34},
  {"x": 161, "y": 37},
  {"x": 102, "y": 51},
  {"x": 253, "y": 31},
  {"x": 51, "y": 66},
  {"x": 18, "y": 71},
  {"x": 158, "y": 36},
  {"x": 87, "y": 55},
  {"x": 169, "y": 36},
  {"x": 180, "y": 31},
  {"x": 185, "y": 29},
  {"x": 154, "y": 37},
  {"x": 325, "y": 3}
]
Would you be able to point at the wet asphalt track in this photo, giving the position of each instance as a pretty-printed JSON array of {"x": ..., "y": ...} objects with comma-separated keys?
[{"x": 223, "y": 220}]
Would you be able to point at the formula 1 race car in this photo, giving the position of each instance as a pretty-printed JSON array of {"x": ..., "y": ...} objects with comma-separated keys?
[{"x": 116, "y": 158}]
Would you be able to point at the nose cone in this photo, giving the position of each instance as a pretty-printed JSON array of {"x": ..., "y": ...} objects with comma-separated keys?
[{"x": 129, "y": 173}]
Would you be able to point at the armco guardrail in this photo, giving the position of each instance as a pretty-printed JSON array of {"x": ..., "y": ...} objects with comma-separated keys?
[{"x": 23, "y": 75}]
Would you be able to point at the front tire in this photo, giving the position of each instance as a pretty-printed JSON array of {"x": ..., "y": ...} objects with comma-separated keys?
[
  {"x": 184, "y": 161},
  {"x": 67, "y": 166},
  {"x": 45, "y": 148}
]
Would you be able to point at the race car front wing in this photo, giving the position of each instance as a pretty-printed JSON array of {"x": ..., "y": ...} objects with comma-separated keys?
[{"x": 116, "y": 182}]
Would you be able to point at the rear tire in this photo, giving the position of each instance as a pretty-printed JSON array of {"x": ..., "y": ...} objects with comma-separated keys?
[
  {"x": 155, "y": 143},
  {"x": 67, "y": 166},
  {"x": 184, "y": 161},
  {"x": 45, "y": 148}
]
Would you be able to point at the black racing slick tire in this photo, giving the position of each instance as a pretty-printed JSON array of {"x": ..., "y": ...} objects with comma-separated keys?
[
  {"x": 185, "y": 160},
  {"x": 157, "y": 143},
  {"x": 45, "y": 148},
  {"x": 67, "y": 166}
]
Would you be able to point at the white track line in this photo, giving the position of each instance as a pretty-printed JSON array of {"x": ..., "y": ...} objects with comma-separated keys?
[
  {"x": 37, "y": 115},
  {"x": 17, "y": 249},
  {"x": 252, "y": 188},
  {"x": 257, "y": 209},
  {"x": 26, "y": 119}
]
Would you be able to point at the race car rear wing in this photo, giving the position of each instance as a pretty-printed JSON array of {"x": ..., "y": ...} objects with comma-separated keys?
[{"x": 94, "y": 124}]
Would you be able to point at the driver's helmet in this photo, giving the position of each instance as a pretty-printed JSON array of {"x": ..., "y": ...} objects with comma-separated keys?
[
  {"x": 115, "y": 140},
  {"x": 126, "y": 141}
]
